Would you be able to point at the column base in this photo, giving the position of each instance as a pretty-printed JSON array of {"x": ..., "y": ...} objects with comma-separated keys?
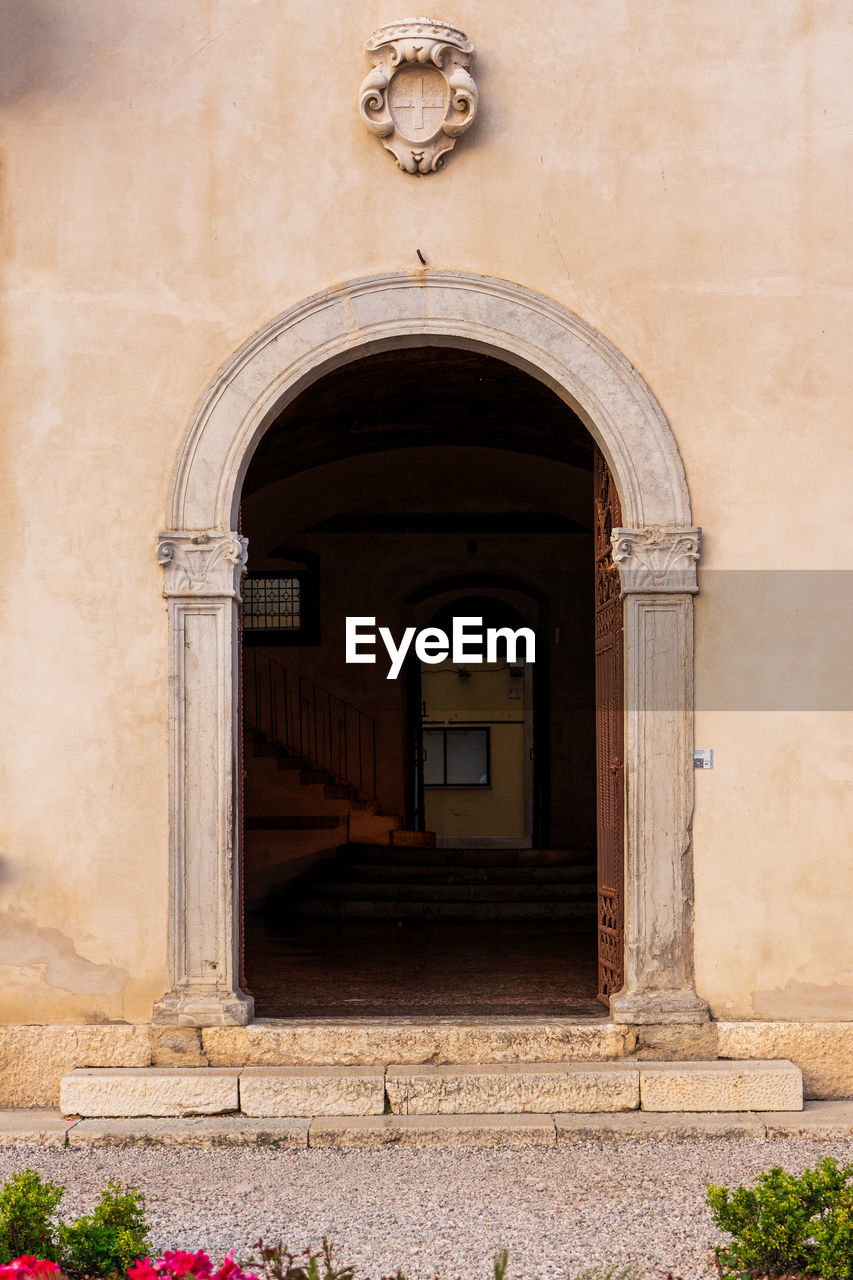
[
  {"x": 658, "y": 1007},
  {"x": 183, "y": 1009}
]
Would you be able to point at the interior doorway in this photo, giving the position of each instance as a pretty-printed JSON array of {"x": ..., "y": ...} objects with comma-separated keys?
[
  {"x": 474, "y": 753},
  {"x": 429, "y": 851}
]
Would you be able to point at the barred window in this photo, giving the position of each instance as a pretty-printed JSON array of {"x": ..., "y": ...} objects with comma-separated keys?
[
  {"x": 272, "y": 603},
  {"x": 280, "y": 607}
]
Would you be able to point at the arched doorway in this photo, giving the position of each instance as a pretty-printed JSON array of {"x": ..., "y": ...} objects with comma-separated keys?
[
  {"x": 408, "y": 883},
  {"x": 656, "y": 553}
]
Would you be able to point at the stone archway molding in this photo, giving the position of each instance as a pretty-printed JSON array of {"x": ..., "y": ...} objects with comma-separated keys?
[{"x": 203, "y": 557}]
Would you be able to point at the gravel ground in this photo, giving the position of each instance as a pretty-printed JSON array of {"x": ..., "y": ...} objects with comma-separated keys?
[{"x": 440, "y": 1211}]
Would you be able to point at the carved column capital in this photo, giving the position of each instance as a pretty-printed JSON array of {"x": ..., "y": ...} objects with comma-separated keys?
[
  {"x": 656, "y": 559},
  {"x": 202, "y": 564}
]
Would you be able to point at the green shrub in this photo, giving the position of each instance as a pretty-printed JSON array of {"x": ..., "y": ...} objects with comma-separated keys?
[
  {"x": 111, "y": 1238},
  {"x": 27, "y": 1206},
  {"x": 787, "y": 1224}
]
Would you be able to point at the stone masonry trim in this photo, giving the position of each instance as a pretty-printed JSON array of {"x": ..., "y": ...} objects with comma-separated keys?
[{"x": 454, "y": 1089}]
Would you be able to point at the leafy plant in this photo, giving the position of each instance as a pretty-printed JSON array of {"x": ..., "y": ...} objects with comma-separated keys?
[
  {"x": 109, "y": 1239},
  {"x": 27, "y": 1207},
  {"x": 277, "y": 1263},
  {"x": 788, "y": 1224}
]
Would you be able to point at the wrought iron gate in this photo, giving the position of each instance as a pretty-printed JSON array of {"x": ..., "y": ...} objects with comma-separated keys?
[{"x": 609, "y": 737}]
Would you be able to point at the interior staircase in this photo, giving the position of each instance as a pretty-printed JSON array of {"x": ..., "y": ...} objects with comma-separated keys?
[
  {"x": 295, "y": 815},
  {"x": 370, "y": 881}
]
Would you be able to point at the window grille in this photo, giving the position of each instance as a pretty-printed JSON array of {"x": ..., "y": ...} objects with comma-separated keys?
[
  {"x": 279, "y": 608},
  {"x": 271, "y": 603}
]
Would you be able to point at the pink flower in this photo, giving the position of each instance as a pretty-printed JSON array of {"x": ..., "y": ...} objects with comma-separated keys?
[
  {"x": 230, "y": 1271},
  {"x": 28, "y": 1267},
  {"x": 142, "y": 1270},
  {"x": 178, "y": 1263}
]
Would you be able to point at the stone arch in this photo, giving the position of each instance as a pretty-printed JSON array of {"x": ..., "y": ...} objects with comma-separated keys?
[
  {"x": 431, "y": 308},
  {"x": 203, "y": 556}
]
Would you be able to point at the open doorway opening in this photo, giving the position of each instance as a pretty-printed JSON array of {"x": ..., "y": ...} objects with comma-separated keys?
[
  {"x": 474, "y": 760},
  {"x": 425, "y": 845}
]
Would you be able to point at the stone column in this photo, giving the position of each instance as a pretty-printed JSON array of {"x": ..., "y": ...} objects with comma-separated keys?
[
  {"x": 202, "y": 587},
  {"x": 657, "y": 569}
]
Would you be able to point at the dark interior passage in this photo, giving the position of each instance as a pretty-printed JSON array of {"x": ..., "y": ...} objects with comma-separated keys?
[
  {"x": 416, "y": 969},
  {"x": 400, "y": 487}
]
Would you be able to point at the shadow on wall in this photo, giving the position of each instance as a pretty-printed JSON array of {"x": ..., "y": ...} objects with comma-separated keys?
[
  {"x": 33, "y": 48},
  {"x": 24, "y": 943}
]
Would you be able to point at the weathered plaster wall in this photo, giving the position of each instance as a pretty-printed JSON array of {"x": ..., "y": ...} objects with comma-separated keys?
[{"x": 174, "y": 176}]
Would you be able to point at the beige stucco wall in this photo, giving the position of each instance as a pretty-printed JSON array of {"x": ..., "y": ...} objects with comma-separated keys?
[{"x": 174, "y": 176}]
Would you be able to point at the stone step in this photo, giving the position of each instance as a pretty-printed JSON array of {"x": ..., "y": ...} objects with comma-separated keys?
[
  {"x": 425, "y": 874},
  {"x": 150, "y": 1091},
  {"x": 473, "y": 1089},
  {"x": 568, "y": 1087},
  {"x": 818, "y": 1121},
  {"x": 317, "y": 908},
  {"x": 432, "y": 1131},
  {"x": 392, "y": 856},
  {"x": 353, "y": 1041},
  {"x": 545, "y": 1088},
  {"x": 413, "y": 839},
  {"x": 311, "y": 1091},
  {"x": 438, "y": 892},
  {"x": 296, "y": 822}
]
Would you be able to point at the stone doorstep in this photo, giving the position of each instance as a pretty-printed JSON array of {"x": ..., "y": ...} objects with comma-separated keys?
[
  {"x": 505, "y": 1088},
  {"x": 301, "y": 1091},
  {"x": 721, "y": 1086},
  {"x": 460, "y": 1089},
  {"x": 150, "y": 1091},
  {"x": 378, "y": 1041},
  {"x": 604, "y": 1087},
  {"x": 824, "y": 1121}
]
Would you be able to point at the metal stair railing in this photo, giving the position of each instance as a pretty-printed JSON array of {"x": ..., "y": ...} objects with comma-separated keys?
[{"x": 307, "y": 720}]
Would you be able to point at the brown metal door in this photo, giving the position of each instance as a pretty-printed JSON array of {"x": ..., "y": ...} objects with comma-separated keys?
[{"x": 609, "y": 737}]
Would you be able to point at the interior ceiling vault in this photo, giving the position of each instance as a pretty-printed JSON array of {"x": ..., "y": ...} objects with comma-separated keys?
[{"x": 415, "y": 397}]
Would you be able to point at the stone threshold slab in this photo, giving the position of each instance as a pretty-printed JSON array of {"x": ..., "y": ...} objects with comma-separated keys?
[
  {"x": 431, "y": 1089},
  {"x": 504, "y": 1088},
  {"x": 594, "y": 1087},
  {"x": 302, "y": 1091},
  {"x": 376, "y": 1042},
  {"x": 722, "y": 1085},
  {"x": 150, "y": 1091},
  {"x": 39, "y": 1127}
]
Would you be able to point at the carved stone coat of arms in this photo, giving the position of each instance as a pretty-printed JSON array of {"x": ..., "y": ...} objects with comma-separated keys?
[{"x": 420, "y": 96}]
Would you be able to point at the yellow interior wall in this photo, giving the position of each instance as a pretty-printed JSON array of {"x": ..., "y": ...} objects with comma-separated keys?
[{"x": 488, "y": 696}]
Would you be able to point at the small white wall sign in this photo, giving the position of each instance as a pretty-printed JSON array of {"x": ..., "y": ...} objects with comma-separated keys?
[{"x": 703, "y": 758}]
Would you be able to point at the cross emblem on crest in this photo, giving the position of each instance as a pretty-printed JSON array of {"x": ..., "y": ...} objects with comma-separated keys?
[
  {"x": 420, "y": 96},
  {"x": 420, "y": 103}
]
